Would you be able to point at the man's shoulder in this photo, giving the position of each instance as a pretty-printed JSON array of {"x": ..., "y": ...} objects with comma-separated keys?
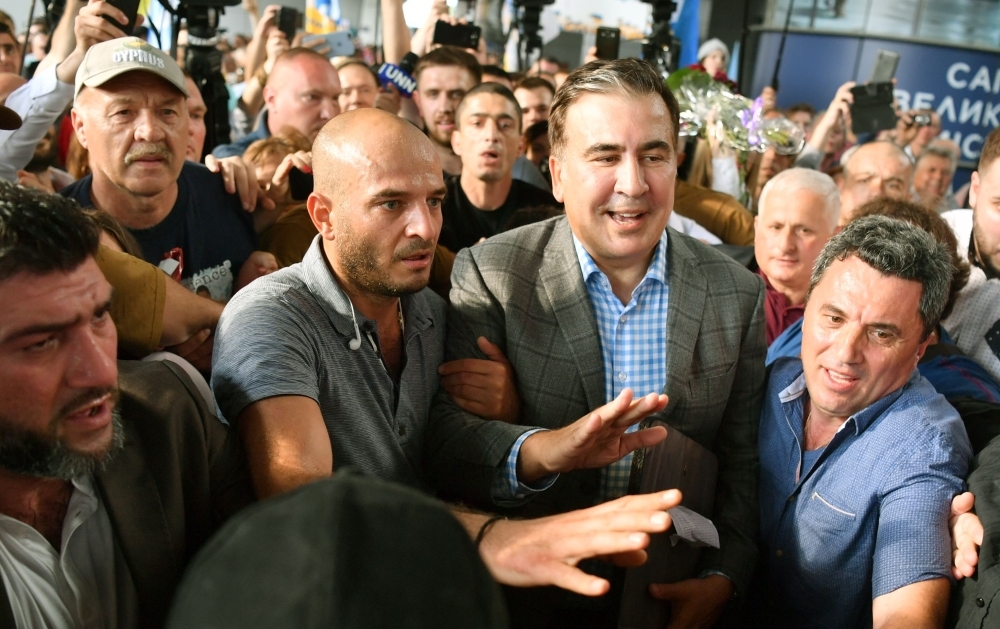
[
  {"x": 282, "y": 295},
  {"x": 79, "y": 189},
  {"x": 526, "y": 245},
  {"x": 722, "y": 271},
  {"x": 159, "y": 393},
  {"x": 922, "y": 418}
]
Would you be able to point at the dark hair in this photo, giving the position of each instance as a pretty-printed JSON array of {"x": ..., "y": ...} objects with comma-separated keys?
[
  {"x": 536, "y": 131},
  {"x": 110, "y": 226},
  {"x": 898, "y": 249},
  {"x": 497, "y": 71},
  {"x": 932, "y": 223},
  {"x": 797, "y": 107},
  {"x": 42, "y": 233},
  {"x": 489, "y": 88},
  {"x": 6, "y": 29},
  {"x": 630, "y": 77},
  {"x": 535, "y": 82},
  {"x": 449, "y": 56},
  {"x": 991, "y": 150}
]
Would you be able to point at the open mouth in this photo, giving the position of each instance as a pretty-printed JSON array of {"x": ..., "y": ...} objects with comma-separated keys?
[
  {"x": 93, "y": 415},
  {"x": 626, "y": 219},
  {"x": 840, "y": 379},
  {"x": 490, "y": 155},
  {"x": 418, "y": 260}
]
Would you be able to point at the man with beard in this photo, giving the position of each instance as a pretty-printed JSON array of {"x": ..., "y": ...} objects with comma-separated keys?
[
  {"x": 130, "y": 113},
  {"x": 333, "y": 362},
  {"x": 975, "y": 321},
  {"x": 482, "y": 199},
  {"x": 112, "y": 475}
]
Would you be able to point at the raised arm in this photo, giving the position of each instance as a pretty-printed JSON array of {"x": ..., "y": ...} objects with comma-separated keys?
[{"x": 395, "y": 33}]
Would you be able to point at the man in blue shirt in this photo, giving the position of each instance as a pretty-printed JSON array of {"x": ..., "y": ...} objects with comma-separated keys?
[{"x": 859, "y": 456}]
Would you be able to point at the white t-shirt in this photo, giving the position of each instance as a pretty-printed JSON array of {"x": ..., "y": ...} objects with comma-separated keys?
[
  {"x": 68, "y": 589},
  {"x": 974, "y": 323}
]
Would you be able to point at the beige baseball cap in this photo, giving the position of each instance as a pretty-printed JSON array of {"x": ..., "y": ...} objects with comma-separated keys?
[{"x": 109, "y": 59}]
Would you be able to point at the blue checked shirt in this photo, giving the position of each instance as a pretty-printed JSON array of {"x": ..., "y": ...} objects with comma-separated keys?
[
  {"x": 633, "y": 343},
  {"x": 634, "y": 346}
]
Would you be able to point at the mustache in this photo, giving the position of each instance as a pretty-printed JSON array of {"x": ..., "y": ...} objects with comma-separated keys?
[
  {"x": 626, "y": 205},
  {"x": 411, "y": 249},
  {"x": 148, "y": 150},
  {"x": 86, "y": 398}
]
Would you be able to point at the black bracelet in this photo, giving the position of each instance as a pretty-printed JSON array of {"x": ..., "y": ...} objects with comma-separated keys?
[{"x": 486, "y": 527}]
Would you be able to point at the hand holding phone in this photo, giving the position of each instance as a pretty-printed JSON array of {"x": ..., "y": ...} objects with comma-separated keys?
[
  {"x": 458, "y": 35},
  {"x": 131, "y": 10},
  {"x": 608, "y": 43},
  {"x": 289, "y": 21}
]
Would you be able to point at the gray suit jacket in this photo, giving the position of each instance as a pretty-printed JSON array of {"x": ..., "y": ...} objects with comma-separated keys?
[{"x": 524, "y": 291}]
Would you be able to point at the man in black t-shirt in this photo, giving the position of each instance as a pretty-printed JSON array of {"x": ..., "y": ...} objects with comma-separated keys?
[
  {"x": 131, "y": 116},
  {"x": 482, "y": 199}
]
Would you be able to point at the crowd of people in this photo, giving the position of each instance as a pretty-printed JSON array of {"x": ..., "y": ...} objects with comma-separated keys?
[{"x": 380, "y": 352}]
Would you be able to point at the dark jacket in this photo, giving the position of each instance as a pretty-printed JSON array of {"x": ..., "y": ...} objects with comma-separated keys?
[{"x": 179, "y": 476}]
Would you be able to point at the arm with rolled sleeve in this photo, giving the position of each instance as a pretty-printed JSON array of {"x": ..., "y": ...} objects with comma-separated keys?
[
  {"x": 913, "y": 543},
  {"x": 39, "y": 102}
]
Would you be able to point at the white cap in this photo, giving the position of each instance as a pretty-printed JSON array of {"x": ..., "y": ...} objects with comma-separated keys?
[{"x": 711, "y": 46}]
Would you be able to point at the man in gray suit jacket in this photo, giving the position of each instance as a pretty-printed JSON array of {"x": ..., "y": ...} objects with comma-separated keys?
[{"x": 576, "y": 304}]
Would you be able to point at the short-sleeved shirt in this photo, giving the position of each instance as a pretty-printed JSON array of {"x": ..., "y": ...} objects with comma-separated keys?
[
  {"x": 464, "y": 224},
  {"x": 870, "y": 516},
  {"x": 207, "y": 224},
  {"x": 289, "y": 333}
]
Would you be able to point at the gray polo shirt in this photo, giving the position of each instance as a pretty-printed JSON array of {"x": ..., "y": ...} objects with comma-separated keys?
[{"x": 288, "y": 334}]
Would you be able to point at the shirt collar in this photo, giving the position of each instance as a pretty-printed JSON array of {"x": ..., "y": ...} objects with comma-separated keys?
[
  {"x": 657, "y": 270},
  {"x": 863, "y": 418},
  {"x": 325, "y": 289}
]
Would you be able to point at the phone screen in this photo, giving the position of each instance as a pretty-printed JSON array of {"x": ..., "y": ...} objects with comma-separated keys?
[
  {"x": 289, "y": 20},
  {"x": 608, "y": 40},
  {"x": 458, "y": 35},
  {"x": 130, "y": 8},
  {"x": 884, "y": 68}
]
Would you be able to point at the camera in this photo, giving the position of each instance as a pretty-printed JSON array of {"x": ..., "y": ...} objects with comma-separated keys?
[{"x": 922, "y": 120}]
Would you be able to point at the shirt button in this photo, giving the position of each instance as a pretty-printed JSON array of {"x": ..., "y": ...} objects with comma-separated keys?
[
  {"x": 980, "y": 602},
  {"x": 778, "y": 553},
  {"x": 402, "y": 431},
  {"x": 791, "y": 498},
  {"x": 623, "y": 376},
  {"x": 624, "y": 318}
]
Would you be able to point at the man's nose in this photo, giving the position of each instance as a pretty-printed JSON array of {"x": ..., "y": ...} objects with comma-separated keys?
[
  {"x": 786, "y": 240},
  {"x": 424, "y": 223},
  {"x": 90, "y": 365},
  {"x": 148, "y": 127},
  {"x": 847, "y": 344},
  {"x": 631, "y": 179}
]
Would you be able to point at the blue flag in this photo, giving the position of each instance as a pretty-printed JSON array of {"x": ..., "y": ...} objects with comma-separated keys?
[{"x": 686, "y": 28}]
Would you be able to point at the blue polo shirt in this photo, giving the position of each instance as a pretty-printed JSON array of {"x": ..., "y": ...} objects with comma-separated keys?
[{"x": 871, "y": 513}]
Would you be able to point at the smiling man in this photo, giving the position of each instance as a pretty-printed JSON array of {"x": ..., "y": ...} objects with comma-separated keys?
[
  {"x": 860, "y": 457},
  {"x": 798, "y": 213},
  {"x": 603, "y": 304},
  {"x": 112, "y": 474},
  {"x": 482, "y": 199}
]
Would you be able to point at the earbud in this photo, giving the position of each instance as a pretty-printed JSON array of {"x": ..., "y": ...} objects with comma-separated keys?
[{"x": 355, "y": 343}]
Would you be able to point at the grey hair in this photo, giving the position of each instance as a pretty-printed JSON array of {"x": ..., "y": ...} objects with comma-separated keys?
[
  {"x": 627, "y": 77},
  {"x": 898, "y": 249},
  {"x": 795, "y": 179},
  {"x": 904, "y": 157},
  {"x": 940, "y": 149}
]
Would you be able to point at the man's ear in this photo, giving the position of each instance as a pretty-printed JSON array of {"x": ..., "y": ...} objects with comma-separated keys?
[
  {"x": 416, "y": 101},
  {"x": 555, "y": 170},
  {"x": 321, "y": 214},
  {"x": 456, "y": 142},
  {"x": 974, "y": 189},
  {"x": 269, "y": 97},
  {"x": 77, "y": 121}
]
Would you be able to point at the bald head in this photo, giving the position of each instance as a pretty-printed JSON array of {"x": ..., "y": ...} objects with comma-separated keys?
[
  {"x": 874, "y": 170},
  {"x": 376, "y": 203},
  {"x": 357, "y": 142},
  {"x": 302, "y": 92}
]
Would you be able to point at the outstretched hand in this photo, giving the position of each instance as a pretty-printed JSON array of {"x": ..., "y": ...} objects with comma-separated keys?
[
  {"x": 596, "y": 440},
  {"x": 966, "y": 536},
  {"x": 546, "y": 551}
]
